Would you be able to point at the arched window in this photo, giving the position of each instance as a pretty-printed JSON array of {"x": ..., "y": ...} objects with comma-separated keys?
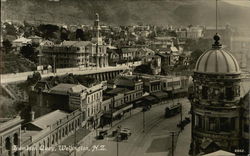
[
  {"x": 16, "y": 140},
  {"x": 48, "y": 142},
  {"x": 7, "y": 143}
]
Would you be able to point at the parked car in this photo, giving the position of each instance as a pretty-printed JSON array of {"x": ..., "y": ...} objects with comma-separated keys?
[{"x": 126, "y": 131}]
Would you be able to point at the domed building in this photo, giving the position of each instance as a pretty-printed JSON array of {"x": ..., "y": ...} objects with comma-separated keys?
[{"x": 216, "y": 102}]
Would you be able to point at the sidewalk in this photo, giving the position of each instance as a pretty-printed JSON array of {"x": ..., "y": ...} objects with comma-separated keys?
[{"x": 183, "y": 142}]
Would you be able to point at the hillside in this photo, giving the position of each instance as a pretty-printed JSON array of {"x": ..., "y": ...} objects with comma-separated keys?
[
  {"x": 14, "y": 63},
  {"x": 126, "y": 12}
]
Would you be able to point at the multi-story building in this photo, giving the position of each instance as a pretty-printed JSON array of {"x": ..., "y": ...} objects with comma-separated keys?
[
  {"x": 162, "y": 43},
  {"x": 10, "y": 136},
  {"x": 78, "y": 53},
  {"x": 70, "y": 97},
  {"x": 217, "y": 105},
  {"x": 69, "y": 54},
  {"x": 94, "y": 105},
  {"x": 195, "y": 32}
]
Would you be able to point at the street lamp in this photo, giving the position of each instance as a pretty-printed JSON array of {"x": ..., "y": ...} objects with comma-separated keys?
[
  {"x": 117, "y": 141},
  {"x": 144, "y": 109}
]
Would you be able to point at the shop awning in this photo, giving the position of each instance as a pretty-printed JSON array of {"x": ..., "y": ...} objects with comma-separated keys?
[{"x": 160, "y": 95}]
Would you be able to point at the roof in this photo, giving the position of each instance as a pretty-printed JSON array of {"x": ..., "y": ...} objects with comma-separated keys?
[
  {"x": 217, "y": 61},
  {"x": 118, "y": 90},
  {"x": 49, "y": 119},
  {"x": 163, "y": 55},
  {"x": 173, "y": 49},
  {"x": 76, "y": 43},
  {"x": 64, "y": 88},
  {"x": 35, "y": 37},
  {"x": 160, "y": 95},
  {"x": 220, "y": 153},
  {"x": 23, "y": 40},
  {"x": 164, "y": 38},
  {"x": 129, "y": 49}
]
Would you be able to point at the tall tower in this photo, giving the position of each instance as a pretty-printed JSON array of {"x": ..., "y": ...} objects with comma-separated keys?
[
  {"x": 96, "y": 30},
  {"x": 215, "y": 107},
  {"x": 100, "y": 56}
]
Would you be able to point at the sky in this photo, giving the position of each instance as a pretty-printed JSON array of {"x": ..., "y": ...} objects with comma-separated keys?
[{"x": 245, "y": 3}]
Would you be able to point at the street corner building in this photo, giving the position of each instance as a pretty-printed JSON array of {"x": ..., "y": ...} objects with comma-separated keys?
[{"x": 220, "y": 103}]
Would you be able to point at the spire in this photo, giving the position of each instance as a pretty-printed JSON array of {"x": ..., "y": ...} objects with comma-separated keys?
[
  {"x": 96, "y": 25},
  {"x": 216, "y": 37},
  {"x": 216, "y": 16}
]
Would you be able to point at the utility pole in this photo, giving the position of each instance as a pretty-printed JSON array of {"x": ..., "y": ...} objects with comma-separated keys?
[
  {"x": 113, "y": 104},
  {"x": 54, "y": 63},
  {"x": 172, "y": 148},
  {"x": 75, "y": 138},
  {"x": 143, "y": 112},
  {"x": 117, "y": 141}
]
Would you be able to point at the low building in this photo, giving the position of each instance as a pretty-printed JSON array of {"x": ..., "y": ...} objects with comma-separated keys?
[
  {"x": 49, "y": 130},
  {"x": 10, "y": 136},
  {"x": 152, "y": 85},
  {"x": 20, "y": 42},
  {"x": 35, "y": 39}
]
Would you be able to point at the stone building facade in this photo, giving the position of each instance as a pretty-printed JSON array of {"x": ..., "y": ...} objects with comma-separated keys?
[
  {"x": 10, "y": 135},
  {"x": 216, "y": 107}
]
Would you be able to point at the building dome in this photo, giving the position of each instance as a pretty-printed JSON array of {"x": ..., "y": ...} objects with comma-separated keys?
[{"x": 217, "y": 60}]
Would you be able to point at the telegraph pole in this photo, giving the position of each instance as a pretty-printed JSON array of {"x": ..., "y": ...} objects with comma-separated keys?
[
  {"x": 54, "y": 63},
  {"x": 143, "y": 112},
  {"x": 172, "y": 148},
  {"x": 117, "y": 141},
  {"x": 75, "y": 138}
]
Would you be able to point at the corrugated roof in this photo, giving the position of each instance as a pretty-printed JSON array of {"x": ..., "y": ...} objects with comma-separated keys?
[
  {"x": 76, "y": 43},
  {"x": 49, "y": 119},
  {"x": 23, "y": 40},
  {"x": 64, "y": 88}
]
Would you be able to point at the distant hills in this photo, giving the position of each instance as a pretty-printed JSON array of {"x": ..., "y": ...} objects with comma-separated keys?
[{"x": 126, "y": 12}]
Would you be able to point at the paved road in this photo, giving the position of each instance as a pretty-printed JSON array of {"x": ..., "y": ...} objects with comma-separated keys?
[{"x": 155, "y": 140}]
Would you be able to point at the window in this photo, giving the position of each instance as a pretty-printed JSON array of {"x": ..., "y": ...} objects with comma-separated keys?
[
  {"x": 204, "y": 92},
  {"x": 224, "y": 124},
  {"x": 212, "y": 124},
  {"x": 233, "y": 123},
  {"x": 229, "y": 93},
  {"x": 7, "y": 143},
  {"x": 198, "y": 121},
  {"x": 16, "y": 139},
  {"x": 246, "y": 128}
]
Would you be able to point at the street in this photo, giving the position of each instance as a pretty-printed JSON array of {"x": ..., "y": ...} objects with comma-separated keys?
[{"x": 156, "y": 140}]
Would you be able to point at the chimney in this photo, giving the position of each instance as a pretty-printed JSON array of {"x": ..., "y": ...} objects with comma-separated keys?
[{"x": 32, "y": 116}]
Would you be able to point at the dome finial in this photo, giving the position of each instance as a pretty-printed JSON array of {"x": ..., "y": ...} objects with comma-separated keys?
[{"x": 216, "y": 41}]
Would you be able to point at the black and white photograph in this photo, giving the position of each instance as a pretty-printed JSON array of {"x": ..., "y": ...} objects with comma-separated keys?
[{"x": 125, "y": 78}]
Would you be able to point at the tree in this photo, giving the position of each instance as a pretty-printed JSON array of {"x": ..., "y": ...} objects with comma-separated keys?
[
  {"x": 64, "y": 34},
  {"x": 10, "y": 29},
  {"x": 79, "y": 34},
  {"x": 29, "y": 52},
  {"x": 194, "y": 57},
  {"x": 7, "y": 46}
]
